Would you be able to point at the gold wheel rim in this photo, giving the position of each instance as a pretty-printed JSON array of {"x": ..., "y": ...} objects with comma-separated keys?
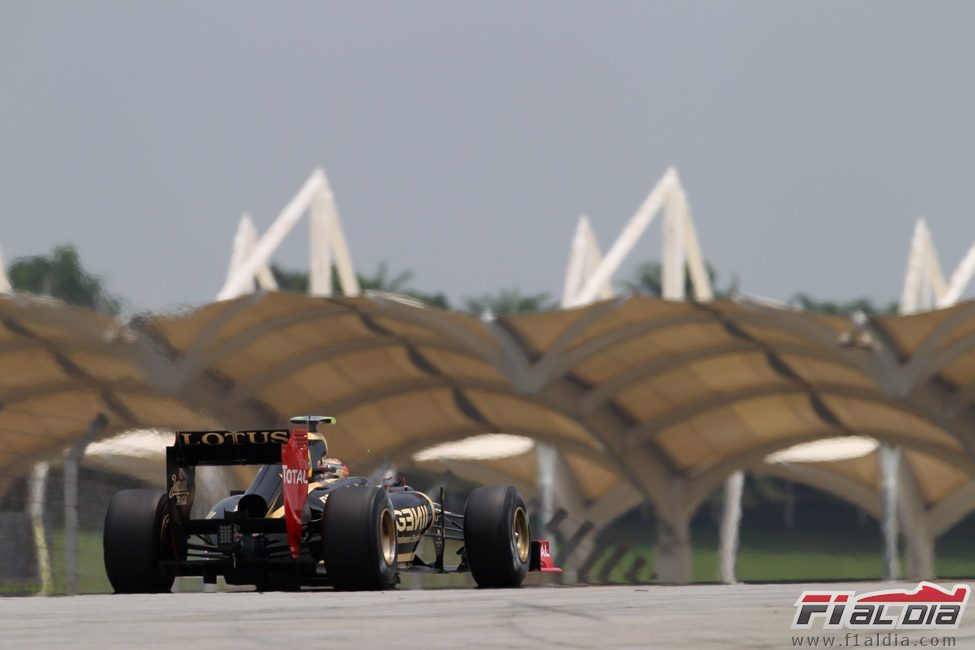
[
  {"x": 519, "y": 529},
  {"x": 387, "y": 536}
]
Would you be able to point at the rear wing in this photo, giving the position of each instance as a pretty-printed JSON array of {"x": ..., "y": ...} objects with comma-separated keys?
[
  {"x": 256, "y": 447},
  {"x": 287, "y": 447}
]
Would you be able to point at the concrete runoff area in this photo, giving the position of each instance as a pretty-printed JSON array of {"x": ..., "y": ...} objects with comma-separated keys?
[{"x": 702, "y": 616}]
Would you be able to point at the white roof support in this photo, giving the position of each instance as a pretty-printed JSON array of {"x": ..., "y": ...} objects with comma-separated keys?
[
  {"x": 628, "y": 238},
  {"x": 243, "y": 275},
  {"x": 935, "y": 275},
  {"x": 348, "y": 279},
  {"x": 959, "y": 280},
  {"x": 917, "y": 294},
  {"x": 922, "y": 268},
  {"x": 593, "y": 257},
  {"x": 681, "y": 248},
  {"x": 700, "y": 277},
  {"x": 575, "y": 269},
  {"x": 5, "y": 286},
  {"x": 584, "y": 258},
  {"x": 674, "y": 257},
  {"x": 320, "y": 257},
  {"x": 588, "y": 277},
  {"x": 730, "y": 527},
  {"x": 924, "y": 288},
  {"x": 251, "y": 258},
  {"x": 244, "y": 242},
  {"x": 890, "y": 469},
  {"x": 924, "y": 282},
  {"x": 914, "y": 277}
]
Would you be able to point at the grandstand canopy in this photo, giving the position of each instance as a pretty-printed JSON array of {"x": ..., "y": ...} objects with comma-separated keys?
[
  {"x": 60, "y": 367},
  {"x": 664, "y": 393},
  {"x": 945, "y": 493}
]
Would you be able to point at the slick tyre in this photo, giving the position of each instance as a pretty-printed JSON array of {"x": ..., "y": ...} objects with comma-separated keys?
[
  {"x": 496, "y": 536},
  {"x": 359, "y": 539},
  {"x": 136, "y": 538}
]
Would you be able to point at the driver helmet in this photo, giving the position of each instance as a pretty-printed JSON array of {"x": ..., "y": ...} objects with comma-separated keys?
[
  {"x": 321, "y": 466},
  {"x": 317, "y": 449},
  {"x": 330, "y": 467}
]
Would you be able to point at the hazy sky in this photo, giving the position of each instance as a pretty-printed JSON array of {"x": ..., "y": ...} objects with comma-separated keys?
[{"x": 463, "y": 140}]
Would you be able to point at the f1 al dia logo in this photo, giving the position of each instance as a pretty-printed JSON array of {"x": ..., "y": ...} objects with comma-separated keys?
[{"x": 927, "y": 607}]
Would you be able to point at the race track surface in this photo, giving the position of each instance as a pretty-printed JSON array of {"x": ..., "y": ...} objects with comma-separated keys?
[{"x": 741, "y": 616}]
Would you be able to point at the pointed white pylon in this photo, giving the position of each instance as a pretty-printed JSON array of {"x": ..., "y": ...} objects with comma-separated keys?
[
  {"x": 252, "y": 254},
  {"x": 5, "y": 286},
  {"x": 959, "y": 280},
  {"x": 242, "y": 277},
  {"x": 628, "y": 238}
]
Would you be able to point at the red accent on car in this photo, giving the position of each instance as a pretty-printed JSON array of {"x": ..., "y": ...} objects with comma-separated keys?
[
  {"x": 545, "y": 560},
  {"x": 294, "y": 482}
]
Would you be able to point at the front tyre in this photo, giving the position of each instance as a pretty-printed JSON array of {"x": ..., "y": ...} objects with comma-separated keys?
[
  {"x": 496, "y": 536},
  {"x": 359, "y": 539},
  {"x": 136, "y": 538}
]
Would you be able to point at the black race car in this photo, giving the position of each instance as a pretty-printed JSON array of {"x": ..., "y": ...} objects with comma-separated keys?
[{"x": 305, "y": 522}]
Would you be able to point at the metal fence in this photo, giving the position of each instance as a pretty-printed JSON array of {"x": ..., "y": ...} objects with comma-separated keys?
[{"x": 52, "y": 544}]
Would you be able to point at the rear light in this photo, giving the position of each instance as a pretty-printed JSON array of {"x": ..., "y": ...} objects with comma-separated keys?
[{"x": 225, "y": 534}]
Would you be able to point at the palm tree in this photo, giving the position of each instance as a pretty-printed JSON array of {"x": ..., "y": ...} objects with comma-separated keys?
[
  {"x": 380, "y": 280},
  {"x": 291, "y": 281},
  {"x": 839, "y": 308},
  {"x": 647, "y": 279},
  {"x": 60, "y": 275},
  {"x": 509, "y": 301},
  {"x": 399, "y": 283}
]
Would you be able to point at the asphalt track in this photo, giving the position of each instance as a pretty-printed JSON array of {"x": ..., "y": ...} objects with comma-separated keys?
[{"x": 741, "y": 616}]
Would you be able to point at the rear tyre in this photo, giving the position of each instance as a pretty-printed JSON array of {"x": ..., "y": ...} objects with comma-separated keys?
[
  {"x": 136, "y": 538},
  {"x": 496, "y": 536},
  {"x": 359, "y": 539}
]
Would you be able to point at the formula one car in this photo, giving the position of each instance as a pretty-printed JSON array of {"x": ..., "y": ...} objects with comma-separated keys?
[{"x": 305, "y": 522}]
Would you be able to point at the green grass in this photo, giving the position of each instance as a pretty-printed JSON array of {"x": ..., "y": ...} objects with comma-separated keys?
[
  {"x": 767, "y": 553},
  {"x": 759, "y": 563},
  {"x": 91, "y": 565},
  {"x": 771, "y": 553},
  {"x": 18, "y": 588}
]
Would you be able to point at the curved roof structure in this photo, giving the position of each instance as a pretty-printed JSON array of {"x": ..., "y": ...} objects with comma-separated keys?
[
  {"x": 400, "y": 377},
  {"x": 946, "y": 493},
  {"x": 935, "y": 346},
  {"x": 670, "y": 395},
  {"x": 702, "y": 390},
  {"x": 61, "y": 367}
]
